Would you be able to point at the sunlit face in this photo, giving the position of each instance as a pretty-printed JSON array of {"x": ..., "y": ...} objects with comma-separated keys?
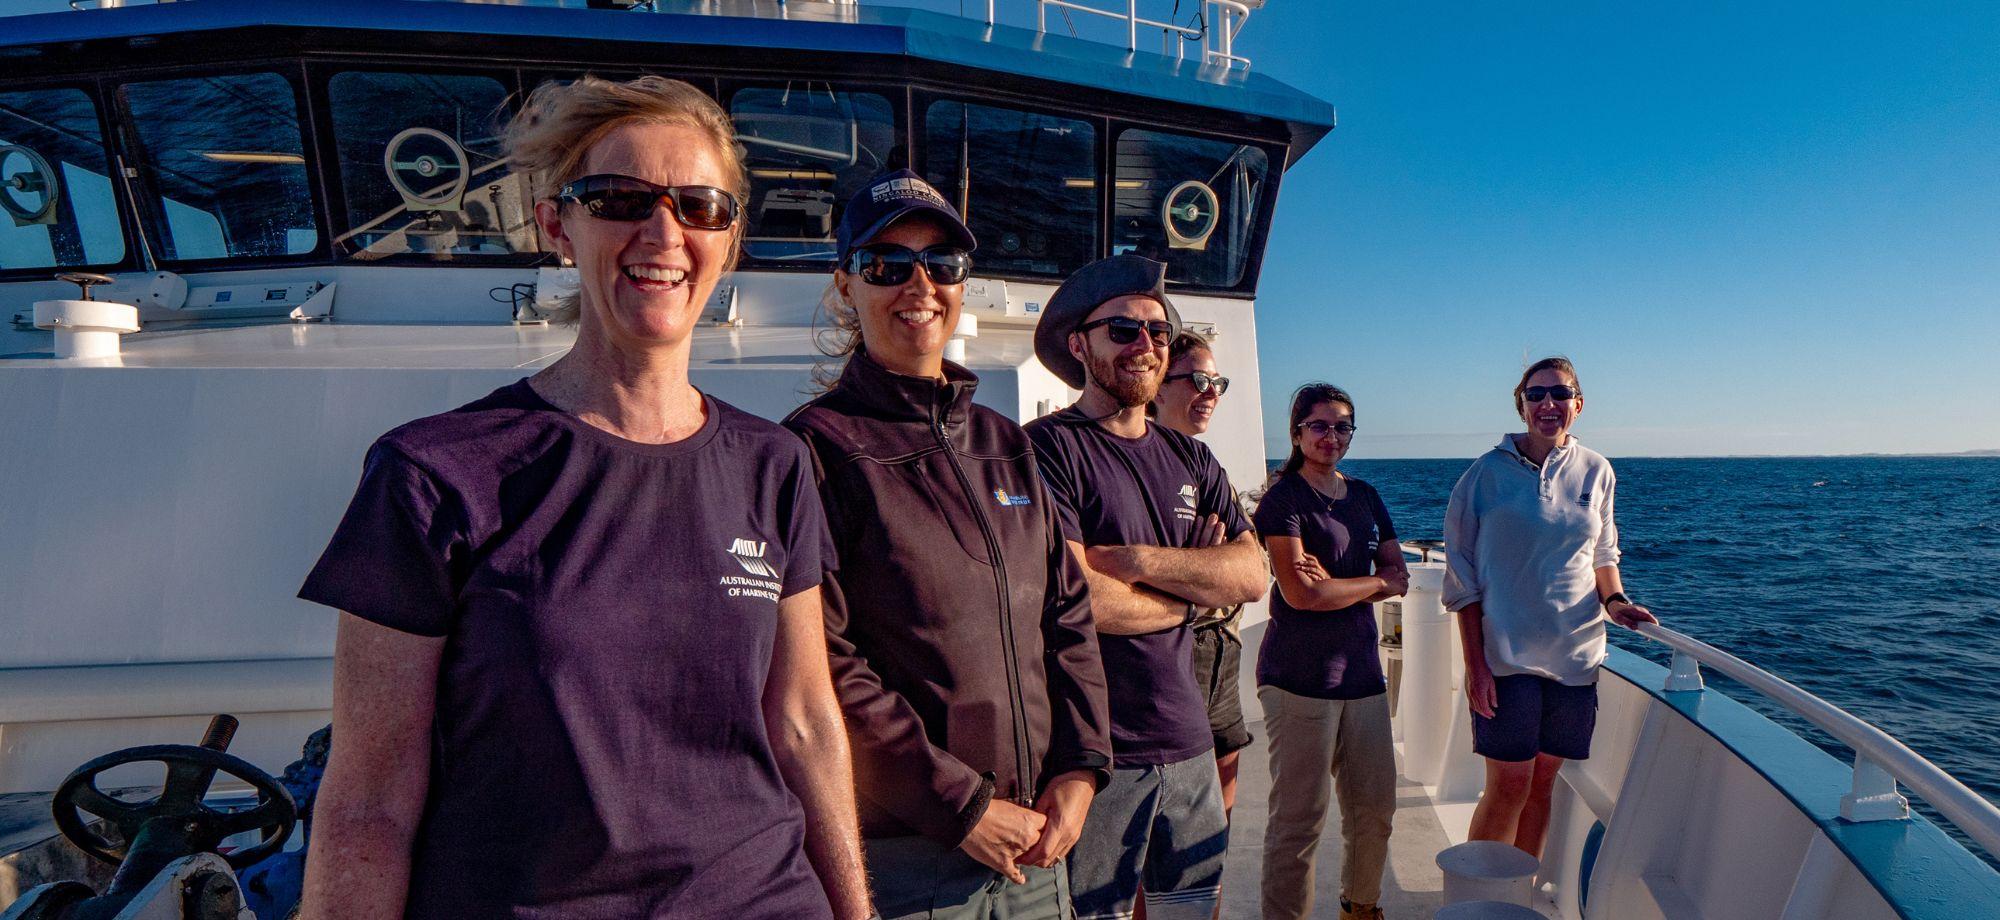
[
  {"x": 1550, "y": 418},
  {"x": 906, "y": 326},
  {"x": 1181, "y": 407},
  {"x": 1130, "y": 373},
  {"x": 644, "y": 282},
  {"x": 1325, "y": 449}
]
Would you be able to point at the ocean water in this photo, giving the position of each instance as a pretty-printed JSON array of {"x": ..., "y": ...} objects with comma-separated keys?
[{"x": 1873, "y": 582}]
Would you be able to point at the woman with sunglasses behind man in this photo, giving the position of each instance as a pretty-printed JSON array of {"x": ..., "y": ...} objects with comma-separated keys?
[
  {"x": 1532, "y": 570},
  {"x": 1326, "y": 706},
  {"x": 959, "y": 625},
  {"x": 1186, "y": 403},
  {"x": 580, "y": 668}
]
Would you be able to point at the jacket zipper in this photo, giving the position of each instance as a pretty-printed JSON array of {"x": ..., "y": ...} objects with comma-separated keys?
[{"x": 1023, "y": 776}]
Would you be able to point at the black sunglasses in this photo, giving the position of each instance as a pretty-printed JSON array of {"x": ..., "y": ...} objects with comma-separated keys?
[
  {"x": 888, "y": 265},
  {"x": 623, "y": 198},
  {"x": 1203, "y": 381},
  {"x": 1124, "y": 330},
  {"x": 1318, "y": 429},
  {"x": 1561, "y": 393}
]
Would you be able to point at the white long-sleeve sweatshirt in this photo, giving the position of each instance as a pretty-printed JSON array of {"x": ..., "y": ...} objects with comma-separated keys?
[{"x": 1525, "y": 543}]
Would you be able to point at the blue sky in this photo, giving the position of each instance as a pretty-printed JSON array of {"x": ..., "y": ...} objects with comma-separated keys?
[{"x": 1757, "y": 228}]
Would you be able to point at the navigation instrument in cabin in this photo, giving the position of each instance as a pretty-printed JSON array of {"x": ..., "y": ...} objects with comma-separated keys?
[
  {"x": 1189, "y": 213},
  {"x": 417, "y": 158},
  {"x": 27, "y": 186}
]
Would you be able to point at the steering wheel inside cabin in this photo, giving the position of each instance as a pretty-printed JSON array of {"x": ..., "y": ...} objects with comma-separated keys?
[{"x": 178, "y": 811}]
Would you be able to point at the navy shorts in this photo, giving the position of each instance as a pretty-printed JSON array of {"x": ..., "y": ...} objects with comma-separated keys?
[{"x": 1536, "y": 715}]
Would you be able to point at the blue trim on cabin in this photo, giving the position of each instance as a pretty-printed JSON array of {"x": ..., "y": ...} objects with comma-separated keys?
[
  {"x": 898, "y": 31},
  {"x": 1922, "y": 872}
]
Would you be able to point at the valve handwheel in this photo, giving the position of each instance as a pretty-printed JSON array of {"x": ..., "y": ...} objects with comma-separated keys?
[{"x": 178, "y": 811}]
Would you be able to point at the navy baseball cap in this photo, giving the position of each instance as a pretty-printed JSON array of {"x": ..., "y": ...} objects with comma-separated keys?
[{"x": 890, "y": 197}]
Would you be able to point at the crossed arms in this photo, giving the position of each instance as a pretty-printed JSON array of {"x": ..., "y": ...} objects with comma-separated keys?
[{"x": 1138, "y": 589}]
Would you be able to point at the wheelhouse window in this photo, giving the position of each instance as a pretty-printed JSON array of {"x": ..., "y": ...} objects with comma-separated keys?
[
  {"x": 1026, "y": 183},
  {"x": 57, "y": 207},
  {"x": 1189, "y": 202},
  {"x": 421, "y": 169},
  {"x": 223, "y": 165},
  {"x": 809, "y": 146}
]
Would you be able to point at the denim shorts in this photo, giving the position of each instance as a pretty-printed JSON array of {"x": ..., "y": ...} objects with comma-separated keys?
[
  {"x": 1536, "y": 715},
  {"x": 1161, "y": 825}
]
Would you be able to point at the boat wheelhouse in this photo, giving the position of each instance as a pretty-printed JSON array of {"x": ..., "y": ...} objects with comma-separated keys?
[{"x": 307, "y": 205}]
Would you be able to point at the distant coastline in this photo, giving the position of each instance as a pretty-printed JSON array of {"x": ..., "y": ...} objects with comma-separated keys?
[{"x": 1988, "y": 453}]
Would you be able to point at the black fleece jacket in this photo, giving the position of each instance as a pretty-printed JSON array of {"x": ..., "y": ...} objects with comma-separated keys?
[{"x": 963, "y": 648}]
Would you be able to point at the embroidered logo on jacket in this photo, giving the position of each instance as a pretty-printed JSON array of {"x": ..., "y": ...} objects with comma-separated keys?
[
  {"x": 750, "y": 555},
  {"x": 1009, "y": 501}
]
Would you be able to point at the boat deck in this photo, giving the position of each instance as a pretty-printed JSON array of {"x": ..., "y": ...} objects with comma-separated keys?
[{"x": 1412, "y": 885}]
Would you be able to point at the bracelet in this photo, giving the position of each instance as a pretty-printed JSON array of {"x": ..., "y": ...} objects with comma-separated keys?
[
  {"x": 1193, "y": 614},
  {"x": 1615, "y": 597}
]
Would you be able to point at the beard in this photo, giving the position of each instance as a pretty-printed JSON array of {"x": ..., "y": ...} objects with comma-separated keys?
[{"x": 1128, "y": 389}]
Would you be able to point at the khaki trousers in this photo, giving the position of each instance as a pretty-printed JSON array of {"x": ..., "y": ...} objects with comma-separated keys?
[{"x": 1320, "y": 747}]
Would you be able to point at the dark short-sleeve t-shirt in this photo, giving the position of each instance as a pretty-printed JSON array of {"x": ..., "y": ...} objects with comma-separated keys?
[
  {"x": 609, "y": 610},
  {"x": 1150, "y": 491},
  {"x": 1324, "y": 654}
]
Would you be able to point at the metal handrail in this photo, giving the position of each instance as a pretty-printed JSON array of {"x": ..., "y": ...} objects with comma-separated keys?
[
  {"x": 1218, "y": 41},
  {"x": 1880, "y": 761}
]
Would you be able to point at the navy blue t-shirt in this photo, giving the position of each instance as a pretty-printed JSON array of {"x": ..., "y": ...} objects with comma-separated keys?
[
  {"x": 610, "y": 609},
  {"x": 1324, "y": 654},
  {"x": 1146, "y": 491}
]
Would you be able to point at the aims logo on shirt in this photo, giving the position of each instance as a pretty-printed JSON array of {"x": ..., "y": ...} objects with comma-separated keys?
[
  {"x": 1009, "y": 501},
  {"x": 750, "y": 555},
  {"x": 1188, "y": 495}
]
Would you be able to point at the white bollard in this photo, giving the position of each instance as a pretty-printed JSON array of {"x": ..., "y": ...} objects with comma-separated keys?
[
  {"x": 86, "y": 328},
  {"x": 1487, "y": 870},
  {"x": 1424, "y": 707}
]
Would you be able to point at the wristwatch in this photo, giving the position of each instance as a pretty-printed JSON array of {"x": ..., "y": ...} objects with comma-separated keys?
[
  {"x": 1615, "y": 597},
  {"x": 1193, "y": 614}
]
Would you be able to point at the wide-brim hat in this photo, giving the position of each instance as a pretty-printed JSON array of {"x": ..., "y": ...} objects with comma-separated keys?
[
  {"x": 888, "y": 198},
  {"x": 1085, "y": 291}
]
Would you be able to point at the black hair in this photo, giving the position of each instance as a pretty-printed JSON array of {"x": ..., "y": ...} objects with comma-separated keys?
[{"x": 1305, "y": 399}]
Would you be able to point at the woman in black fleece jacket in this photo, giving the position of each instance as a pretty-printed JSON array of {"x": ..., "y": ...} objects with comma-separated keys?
[{"x": 959, "y": 627}]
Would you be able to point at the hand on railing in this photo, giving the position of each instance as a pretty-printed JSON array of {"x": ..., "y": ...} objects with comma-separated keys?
[{"x": 1629, "y": 615}]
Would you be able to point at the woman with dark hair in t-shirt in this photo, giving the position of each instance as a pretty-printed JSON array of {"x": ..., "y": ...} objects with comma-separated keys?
[
  {"x": 960, "y": 626},
  {"x": 580, "y": 669},
  {"x": 1326, "y": 708}
]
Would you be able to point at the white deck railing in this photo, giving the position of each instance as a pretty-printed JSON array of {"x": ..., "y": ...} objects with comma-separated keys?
[{"x": 1880, "y": 761}]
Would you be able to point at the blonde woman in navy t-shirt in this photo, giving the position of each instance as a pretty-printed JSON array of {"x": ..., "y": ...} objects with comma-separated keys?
[
  {"x": 1326, "y": 707},
  {"x": 580, "y": 670}
]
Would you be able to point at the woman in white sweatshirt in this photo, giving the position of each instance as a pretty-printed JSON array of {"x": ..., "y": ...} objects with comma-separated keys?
[{"x": 1533, "y": 572}]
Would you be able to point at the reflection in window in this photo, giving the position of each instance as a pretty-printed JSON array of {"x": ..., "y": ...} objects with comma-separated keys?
[
  {"x": 1025, "y": 182},
  {"x": 421, "y": 168},
  {"x": 225, "y": 165},
  {"x": 809, "y": 147},
  {"x": 57, "y": 208},
  {"x": 1189, "y": 202}
]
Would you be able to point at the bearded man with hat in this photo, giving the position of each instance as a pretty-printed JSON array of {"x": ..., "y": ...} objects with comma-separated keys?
[{"x": 1149, "y": 512}]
